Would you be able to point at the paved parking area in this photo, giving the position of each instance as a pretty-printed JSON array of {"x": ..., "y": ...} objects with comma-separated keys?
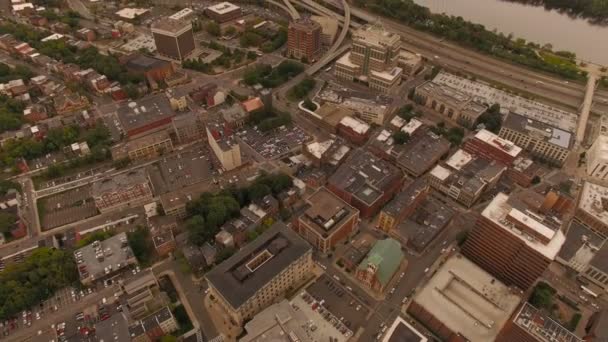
[
  {"x": 339, "y": 301},
  {"x": 277, "y": 143},
  {"x": 67, "y": 207}
]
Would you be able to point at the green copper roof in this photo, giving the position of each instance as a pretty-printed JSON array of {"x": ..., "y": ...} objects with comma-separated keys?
[{"x": 386, "y": 255}]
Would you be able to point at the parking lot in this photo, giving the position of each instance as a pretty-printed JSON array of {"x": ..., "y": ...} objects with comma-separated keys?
[
  {"x": 340, "y": 302},
  {"x": 67, "y": 207},
  {"x": 277, "y": 143}
]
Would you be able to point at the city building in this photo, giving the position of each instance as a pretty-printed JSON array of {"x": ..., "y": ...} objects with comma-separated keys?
[
  {"x": 353, "y": 130},
  {"x": 188, "y": 127},
  {"x": 304, "y": 39},
  {"x": 126, "y": 189},
  {"x": 146, "y": 115},
  {"x": 223, "y": 12},
  {"x": 580, "y": 247},
  {"x": 429, "y": 219},
  {"x": 534, "y": 325},
  {"x": 328, "y": 152},
  {"x": 596, "y": 329},
  {"x": 68, "y": 103},
  {"x": 365, "y": 182},
  {"x": 524, "y": 170},
  {"x": 465, "y": 178},
  {"x": 592, "y": 209},
  {"x": 380, "y": 265},
  {"x": 153, "y": 69},
  {"x": 224, "y": 145},
  {"x": 10, "y": 208},
  {"x": 540, "y": 139},
  {"x": 402, "y": 331},
  {"x": 329, "y": 29},
  {"x": 450, "y": 102},
  {"x": 287, "y": 321},
  {"x": 597, "y": 268},
  {"x": 490, "y": 146},
  {"x": 326, "y": 220},
  {"x": 597, "y": 155},
  {"x": 371, "y": 110},
  {"x": 153, "y": 327},
  {"x": 372, "y": 59},
  {"x": 409, "y": 62},
  {"x": 173, "y": 38},
  {"x": 513, "y": 242},
  {"x": 145, "y": 147},
  {"x": 484, "y": 93},
  {"x": 462, "y": 302},
  {"x": 403, "y": 205},
  {"x": 103, "y": 259},
  {"x": 421, "y": 153},
  {"x": 260, "y": 273}
]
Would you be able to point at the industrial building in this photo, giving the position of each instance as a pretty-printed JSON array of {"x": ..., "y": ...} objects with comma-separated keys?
[{"x": 144, "y": 116}]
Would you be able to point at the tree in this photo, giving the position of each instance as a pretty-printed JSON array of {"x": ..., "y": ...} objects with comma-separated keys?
[
  {"x": 230, "y": 30},
  {"x": 535, "y": 180},
  {"x": 168, "y": 338},
  {"x": 257, "y": 191},
  {"x": 213, "y": 29},
  {"x": 308, "y": 104},
  {"x": 542, "y": 296},
  {"x": 195, "y": 227},
  {"x": 401, "y": 137},
  {"x": 7, "y": 222},
  {"x": 140, "y": 243}
]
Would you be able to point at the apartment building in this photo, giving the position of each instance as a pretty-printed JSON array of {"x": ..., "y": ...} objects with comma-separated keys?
[
  {"x": 174, "y": 39},
  {"x": 513, "y": 242},
  {"x": 372, "y": 59},
  {"x": 326, "y": 221},
  {"x": 490, "y": 146},
  {"x": 304, "y": 39},
  {"x": 224, "y": 146},
  {"x": 540, "y": 139},
  {"x": 261, "y": 273},
  {"x": 126, "y": 189}
]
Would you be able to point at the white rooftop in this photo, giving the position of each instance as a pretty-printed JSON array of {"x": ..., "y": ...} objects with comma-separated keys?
[
  {"x": 485, "y": 93},
  {"x": 223, "y": 7},
  {"x": 498, "y": 210},
  {"x": 358, "y": 126},
  {"x": 398, "y": 121},
  {"x": 459, "y": 159},
  {"x": 468, "y": 300},
  {"x": 181, "y": 14},
  {"x": 318, "y": 148},
  {"x": 412, "y": 126},
  {"x": 131, "y": 13},
  {"x": 440, "y": 172},
  {"x": 389, "y": 75},
  {"x": 498, "y": 142},
  {"x": 591, "y": 201},
  {"x": 345, "y": 60},
  {"x": 54, "y": 36}
]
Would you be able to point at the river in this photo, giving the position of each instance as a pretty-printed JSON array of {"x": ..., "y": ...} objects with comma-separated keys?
[{"x": 532, "y": 23}]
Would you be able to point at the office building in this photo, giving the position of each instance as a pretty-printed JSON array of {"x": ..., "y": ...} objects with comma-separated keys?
[
  {"x": 429, "y": 219},
  {"x": 146, "y": 147},
  {"x": 421, "y": 153},
  {"x": 410, "y": 62},
  {"x": 366, "y": 182},
  {"x": 597, "y": 269},
  {"x": 144, "y": 116},
  {"x": 462, "y": 302},
  {"x": 380, "y": 265},
  {"x": 513, "y": 242},
  {"x": 465, "y": 178},
  {"x": 490, "y": 146},
  {"x": 531, "y": 324},
  {"x": 524, "y": 170},
  {"x": 592, "y": 209},
  {"x": 126, "y": 189},
  {"x": 542, "y": 140},
  {"x": 304, "y": 39},
  {"x": 174, "y": 39},
  {"x": 372, "y": 59},
  {"x": 329, "y": 29},
  {"x": 261, "y": 273},
  {"x": 403, "y": 205},
  {"x": 597, "y": 155},
  {"x": 223, "y": 12},
  {"x": 449, "y": 102},
  {"x": 224, "y": 145},
  {"x": 326, "y": 221},
  {"x": 103, "y": 259},
  {"x": 402, "y": 331}
]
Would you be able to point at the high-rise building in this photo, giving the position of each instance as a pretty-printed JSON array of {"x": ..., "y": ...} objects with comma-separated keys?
[
  {"x": 304, "y": 39},
  {"x": 223, "y": 144},
  {"x": 173, "y": 38},
  {"x": 372, "y": 59},
  {"x": 514, "y": 242}
]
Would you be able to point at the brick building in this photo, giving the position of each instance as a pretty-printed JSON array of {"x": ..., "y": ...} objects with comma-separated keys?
[
  {"x": 353, "y": 130},
  {"x": 304, "y": 39},
  {"x": 380, "y": 265},
  {"x": 490, "y": 146},
  {"x": 403, "y": 205},
  {"x": 127, "y": 189}
]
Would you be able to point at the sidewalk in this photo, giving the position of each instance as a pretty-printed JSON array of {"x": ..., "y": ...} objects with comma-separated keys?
[{"x": 221, "y": 321}]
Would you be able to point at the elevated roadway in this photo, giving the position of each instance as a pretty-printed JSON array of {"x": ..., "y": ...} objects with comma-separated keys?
[
  {"x": 292, "y": 14},
  {"x": 333, "y": 53},
  {"x": 292, "y": 10}
]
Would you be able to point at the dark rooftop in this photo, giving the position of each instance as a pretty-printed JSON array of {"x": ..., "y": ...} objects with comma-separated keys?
[
  {"x": 145, "y": 63},
  {"x": 365, "y": 176},
  {"x": 401, "y": 331},
  {"x": 577, "y": 237},
  {"x": 272, "y": 252},
  {"x": 426, "y": 223},
  {"x": 422, "y": 153},
  {"x": 137, "y": 114},
  {"x": 406, "y": 197},
  {"x": 600, "y": 260},
  {"x": 326, "y": 212}
]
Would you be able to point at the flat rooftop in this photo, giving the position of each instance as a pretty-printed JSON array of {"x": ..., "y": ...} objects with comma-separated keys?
[
  {"x": 171, "y": 26},
  {"x": 327, "y": 212},
  {"x": 427, "y": 222},
  {"x": 376, "y": 35},
  {"x": 540, "y": 129},
  {"x": 147, "y": 110},
  {"x": 406, "y": 197},
  {"x": 179, "y": 170},
  {"x": 105, "y": 256},
  {"x": 237, "y": 281},
  {"x": 365, "y": 176},
  {"x": 541, "y": 326},
  {"x": 468, "y": 300},
  {"x": 498, "y": 142},
  {"x": 119, "y": 182},
  {"x": 355, "y": 124},
  {"x": 422, "y": 153},
  {"x": 594, "y": 201},
  {"x": 223, "y": 8},
  {"x": 501, "y": 208},
  {"x": 577, "y": 238},
  {"x": 484, "y": 93},
  {"x": 402, "y": 331}
]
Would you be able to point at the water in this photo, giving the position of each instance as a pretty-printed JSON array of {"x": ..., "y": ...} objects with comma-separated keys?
[{"x": 532, "y": 23}]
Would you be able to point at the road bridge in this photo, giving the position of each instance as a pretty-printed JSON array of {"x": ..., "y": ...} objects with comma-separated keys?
[{"x": 585, "y": 109}]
